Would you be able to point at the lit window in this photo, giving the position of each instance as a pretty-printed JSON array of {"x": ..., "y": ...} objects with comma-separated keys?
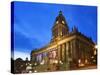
[
  {"x": 95, "y": 52},
  {"x": 60, "y": 33},
  {"x": 86, "y": 61},
  {"x": 79, "y": 61}
]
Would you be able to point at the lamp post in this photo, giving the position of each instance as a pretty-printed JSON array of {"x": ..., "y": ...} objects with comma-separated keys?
[
  {"x": 35, "y": 67},
  {"x": 29, "y": 68}
]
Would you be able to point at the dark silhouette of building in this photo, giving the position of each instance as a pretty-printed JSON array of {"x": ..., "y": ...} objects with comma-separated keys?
[{"x": 19, "y": 65}]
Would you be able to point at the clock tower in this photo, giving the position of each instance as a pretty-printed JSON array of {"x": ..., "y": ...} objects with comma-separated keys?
[{"x": 60, "y": 28}]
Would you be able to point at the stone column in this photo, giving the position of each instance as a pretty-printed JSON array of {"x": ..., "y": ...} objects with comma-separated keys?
[
  {"x": 59, "y": 51},
  {"x": 63, "y": 56},
  {"x": 67, "y": 52},
  {"x": 64, "y": 52}
]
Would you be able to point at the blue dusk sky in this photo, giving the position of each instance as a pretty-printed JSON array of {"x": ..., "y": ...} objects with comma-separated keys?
[{"x": 33, "y": 23}]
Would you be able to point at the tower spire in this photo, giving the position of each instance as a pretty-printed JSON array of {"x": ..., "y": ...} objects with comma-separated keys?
[
  {"x": 60, "y": 27},
  {"x": 60, "y": 12}
]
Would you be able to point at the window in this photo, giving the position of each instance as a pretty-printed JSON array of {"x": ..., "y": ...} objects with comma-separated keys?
[{"x": 61, "y": 33}]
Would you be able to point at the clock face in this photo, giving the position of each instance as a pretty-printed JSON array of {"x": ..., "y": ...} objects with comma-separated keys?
[
  {"x": 56, "y": 22},
  {"x": 63, "y": 22}
]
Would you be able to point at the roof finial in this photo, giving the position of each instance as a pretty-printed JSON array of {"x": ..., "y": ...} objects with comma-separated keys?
[{"x": 75, "y": 29}]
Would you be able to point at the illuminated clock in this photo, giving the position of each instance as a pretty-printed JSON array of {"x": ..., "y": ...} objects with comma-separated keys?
[
  {"x": 63, "y": 22},
  {"x": 56, "y": 22}
]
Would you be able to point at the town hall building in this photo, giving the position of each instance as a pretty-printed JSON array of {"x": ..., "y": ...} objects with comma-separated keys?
[{"x": 70, "y": 48}]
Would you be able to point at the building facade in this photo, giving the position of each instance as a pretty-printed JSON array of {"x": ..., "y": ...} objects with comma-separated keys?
[{"x": 70, "y": 48}]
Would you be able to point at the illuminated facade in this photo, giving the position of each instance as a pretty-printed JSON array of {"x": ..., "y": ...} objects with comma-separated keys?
[{"x": 70, "y": 48}]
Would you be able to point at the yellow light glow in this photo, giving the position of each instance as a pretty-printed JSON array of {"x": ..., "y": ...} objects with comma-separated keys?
[
  {"x": 95, "y": 52},
  {"x": 92, "y": 57},
  {"x": 56, "y": 22},
  {"x": 81, "y": 65},
  {"x": 35, "y": 71},
  {"x": 56, "y": 61},
  {"x": 63, "y": 22},
  {"x": 79, "y": 61},
  {"x": 96, "y": 46},
  {"x": 86, "y": 61},
  {"x": 35, "y": 64},
  {"x": 60, "y": 62}
]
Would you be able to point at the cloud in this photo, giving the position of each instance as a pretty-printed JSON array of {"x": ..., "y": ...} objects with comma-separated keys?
[
  {"x": 27, "y": 36},
  {"x": 31, "y": 30},
  {"x": 25, "y": 43}
]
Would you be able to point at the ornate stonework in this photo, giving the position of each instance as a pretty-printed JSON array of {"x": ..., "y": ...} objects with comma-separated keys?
[{"x": 68, "y": 48}]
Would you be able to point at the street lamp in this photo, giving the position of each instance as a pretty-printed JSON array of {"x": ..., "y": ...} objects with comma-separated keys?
[
  {"x": 35, "y": 67},
  {"x": 29, "y": 68}
]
